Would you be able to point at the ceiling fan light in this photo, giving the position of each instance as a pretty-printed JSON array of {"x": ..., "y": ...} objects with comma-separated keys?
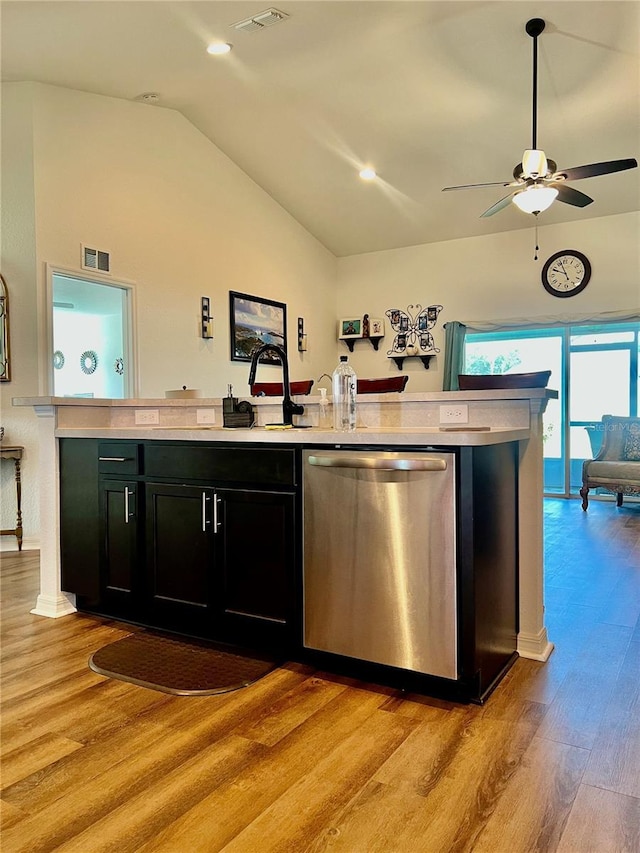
[
  {"x": 535, "y": 199},
  {"x": 534, "y": 163}
]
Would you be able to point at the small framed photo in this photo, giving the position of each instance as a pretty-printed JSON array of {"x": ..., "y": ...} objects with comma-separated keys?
[
  {"x": 376, "y": 327},
  {"x": 350, "y": 328}
]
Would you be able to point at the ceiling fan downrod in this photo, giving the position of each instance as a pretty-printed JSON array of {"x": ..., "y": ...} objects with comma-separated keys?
[{"x": 533, "y": 28}]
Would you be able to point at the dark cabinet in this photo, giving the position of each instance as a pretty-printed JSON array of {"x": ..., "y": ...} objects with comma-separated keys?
[
  {"x": 196, "y": 539},
  {"x": 180, "y": 565},
  {"x": 255, "y": 551},
  {"x": 120, "y": 589}
]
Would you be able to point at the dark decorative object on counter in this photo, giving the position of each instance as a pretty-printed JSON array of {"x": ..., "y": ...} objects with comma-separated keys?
[
  {"x": 236, "y": 415},
  {"x": 382, "y": 386},
  {"x": 482, "y": 382},
  {"x": 275, "y": 389}
]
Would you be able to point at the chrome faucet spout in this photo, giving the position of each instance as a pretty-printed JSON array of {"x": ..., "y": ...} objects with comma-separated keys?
[{"x": 289, "y": 408}]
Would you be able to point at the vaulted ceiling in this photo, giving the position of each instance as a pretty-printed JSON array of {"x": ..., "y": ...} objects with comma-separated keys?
[{"x": 430, "y": 94}]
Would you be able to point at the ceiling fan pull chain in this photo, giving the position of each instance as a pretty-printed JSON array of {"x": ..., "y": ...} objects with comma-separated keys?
[{"x": 537, "y": 249}]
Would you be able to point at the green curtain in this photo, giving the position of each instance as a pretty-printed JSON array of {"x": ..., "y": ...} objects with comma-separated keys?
[{"x": 453, "y": 354}]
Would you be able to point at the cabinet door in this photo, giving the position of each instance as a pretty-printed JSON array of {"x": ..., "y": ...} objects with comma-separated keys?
[
  {"x": 179, "y": 578},
  {"x": 119, "y": 569},
  {"x": 255, "y": 544}
]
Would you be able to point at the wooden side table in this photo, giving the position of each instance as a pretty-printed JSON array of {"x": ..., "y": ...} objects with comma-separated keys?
[{"x": 15, "y": 453}]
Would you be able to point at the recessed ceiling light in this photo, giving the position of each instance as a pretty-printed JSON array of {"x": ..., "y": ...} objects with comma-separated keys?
[
  {"x": 368, "y": 174},
  {"x": 219, "y": 48}
]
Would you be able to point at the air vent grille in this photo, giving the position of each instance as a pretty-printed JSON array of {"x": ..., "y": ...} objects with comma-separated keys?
[
  {"x": 258, "y": 22},
  {"x": 95, "y": 259}
]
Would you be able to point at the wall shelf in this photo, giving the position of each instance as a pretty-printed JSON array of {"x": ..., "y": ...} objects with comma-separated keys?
[
  {"x": 399, "y": 359},
  {"x": 374, "y": 340}
]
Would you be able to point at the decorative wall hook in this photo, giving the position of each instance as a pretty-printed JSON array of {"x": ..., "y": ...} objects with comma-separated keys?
[
  {"x": 206, "y": 318},
  {"x": 302, "y": 336}
]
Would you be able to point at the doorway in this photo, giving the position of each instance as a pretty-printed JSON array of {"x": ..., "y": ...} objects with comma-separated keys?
[{"x": 91, "y": 333}]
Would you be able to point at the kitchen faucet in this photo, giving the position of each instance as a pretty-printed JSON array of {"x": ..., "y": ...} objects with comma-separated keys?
[{"x": 289, "y": 408}]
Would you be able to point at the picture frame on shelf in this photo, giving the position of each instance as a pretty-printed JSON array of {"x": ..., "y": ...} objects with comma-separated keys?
[
  {"x": 376, "y": 327},
  {"x": 255, "y": 321},
  {"x": 350, "y": 328}
]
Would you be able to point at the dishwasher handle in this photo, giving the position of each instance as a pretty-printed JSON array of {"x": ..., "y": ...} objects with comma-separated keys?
[{"x": 380, "y": 463}]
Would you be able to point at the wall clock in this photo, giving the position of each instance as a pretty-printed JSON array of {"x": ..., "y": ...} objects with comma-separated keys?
[{"x": 566, "y": 273}]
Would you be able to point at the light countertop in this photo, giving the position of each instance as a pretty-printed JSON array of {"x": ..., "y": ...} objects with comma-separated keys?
[{"x": 364, "y": 436}]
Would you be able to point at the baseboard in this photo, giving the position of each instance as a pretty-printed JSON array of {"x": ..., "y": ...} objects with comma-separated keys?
[
  {"x": 53, "y": 606},
  {"x": 10, "y": 543},
  {"x": 534, "y": 646}
]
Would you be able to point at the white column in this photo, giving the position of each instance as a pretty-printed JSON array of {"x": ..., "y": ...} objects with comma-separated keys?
[
  {"x": 51, "y": 601},
  {"x": 533, "y": 642}
]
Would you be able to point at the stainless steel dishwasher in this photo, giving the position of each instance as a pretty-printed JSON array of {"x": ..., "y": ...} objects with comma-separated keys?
[{"x": 380, "y": 557}]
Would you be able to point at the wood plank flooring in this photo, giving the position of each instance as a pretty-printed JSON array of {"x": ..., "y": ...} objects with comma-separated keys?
[{"x": 306, "y": 761}]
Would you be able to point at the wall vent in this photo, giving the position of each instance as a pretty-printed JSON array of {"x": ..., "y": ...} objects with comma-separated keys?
[
  {"x": 258, "y": 22},
  {"x": 95, "y": 259}
]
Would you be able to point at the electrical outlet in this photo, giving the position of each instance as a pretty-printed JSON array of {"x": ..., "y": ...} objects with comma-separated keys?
[
  {"x": 455, "y": 413},
  {"x": 147, "y": 416},
  {"x": 205, "y": 416}
]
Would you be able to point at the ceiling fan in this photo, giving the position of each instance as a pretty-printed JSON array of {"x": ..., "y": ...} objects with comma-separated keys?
[{"x": 537, "y": 180}]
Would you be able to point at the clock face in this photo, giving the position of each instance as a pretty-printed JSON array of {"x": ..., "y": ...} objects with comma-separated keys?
[{"x": 566, "y": 273}]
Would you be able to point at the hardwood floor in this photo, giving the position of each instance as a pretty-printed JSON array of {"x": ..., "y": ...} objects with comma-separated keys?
[{"x": 306, "y": 761}]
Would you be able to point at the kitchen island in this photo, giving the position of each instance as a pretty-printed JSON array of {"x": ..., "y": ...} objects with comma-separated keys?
[{"x": 385, "y": 422}]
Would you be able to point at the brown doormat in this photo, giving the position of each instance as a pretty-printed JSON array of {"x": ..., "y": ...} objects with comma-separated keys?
[{"x": 182, "y": 667}]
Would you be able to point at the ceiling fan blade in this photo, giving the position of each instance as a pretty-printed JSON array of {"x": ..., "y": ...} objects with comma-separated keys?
[
  {"x": 473, "y": 186},
  {"x": 591, "y": 170},
  {"x": 499, "y": 205},
  {"x": 570, "y": 196}
]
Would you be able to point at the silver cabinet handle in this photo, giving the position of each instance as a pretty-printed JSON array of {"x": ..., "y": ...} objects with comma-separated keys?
[
  {"x": 114, "y": 458},
  {"x": 216, "y": 524},
  {"x": 127, "y": 514},
  {"x": 205, "y": 520},
  {"x": 379, "y": 463}
]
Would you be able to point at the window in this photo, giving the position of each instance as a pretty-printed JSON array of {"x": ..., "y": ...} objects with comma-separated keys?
[
  {"x": 91, "y": 350},
  {"x": 595, "y": 371}
]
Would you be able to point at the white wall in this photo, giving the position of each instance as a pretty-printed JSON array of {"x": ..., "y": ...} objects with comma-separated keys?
[
  {"x": 487, "y": 278},
  {"x": 179, "y": 219},
  {"x": 18, "y": 262},
  {"x": 182, "y": 221}
]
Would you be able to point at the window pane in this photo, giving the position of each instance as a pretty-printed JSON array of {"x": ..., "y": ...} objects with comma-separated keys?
[
  {"x": 599, "y": 384},
  {"x": 89, "y": 324},
  {"x": 525, "y": 355},
  {"x": 601, "y": 338}
]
